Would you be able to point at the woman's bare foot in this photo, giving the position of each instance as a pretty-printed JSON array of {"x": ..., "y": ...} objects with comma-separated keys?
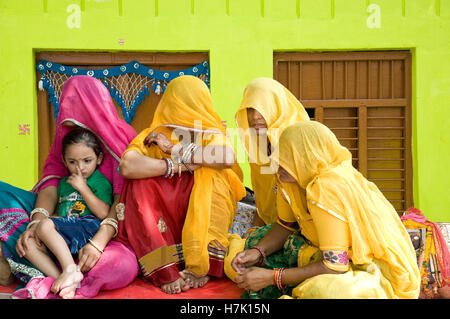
[
  {"x": 175, "y": 287},
  {"x": 192, "y": 279},
  {"x": 67, "y": 283}
]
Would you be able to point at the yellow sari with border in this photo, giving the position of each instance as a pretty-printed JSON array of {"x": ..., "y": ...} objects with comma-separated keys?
[
  {"x": 382, "y": 256},
  {"x": 187, "y": 105}
]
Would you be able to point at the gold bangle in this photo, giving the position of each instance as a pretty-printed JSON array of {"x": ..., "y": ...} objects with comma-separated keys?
[
  {"x": 33, "y": 222},
  {"x": 39, "y": 210},
  {"x": 95, "y": 246},
  {"x": 111, "y": 222}
]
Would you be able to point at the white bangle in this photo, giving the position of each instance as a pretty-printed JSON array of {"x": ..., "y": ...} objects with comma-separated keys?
[
  {"x": 172, "y": 168},
  {"x": 112, "y": 222},
  {"x": 95, "y": 246},
  {"x": 176, "y": 151},
  {"x": 187, "y": 153},
  {"x": 110, "y": 219},
  {"x": 39, "y": 210},
  {"x": 33, "y": 222}
]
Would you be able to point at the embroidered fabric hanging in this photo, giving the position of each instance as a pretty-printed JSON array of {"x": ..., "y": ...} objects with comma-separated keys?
[{"x": 128, "y": 84}]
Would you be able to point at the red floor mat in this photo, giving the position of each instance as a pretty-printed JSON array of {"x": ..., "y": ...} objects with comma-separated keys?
[{"x": 140, "y": 289}]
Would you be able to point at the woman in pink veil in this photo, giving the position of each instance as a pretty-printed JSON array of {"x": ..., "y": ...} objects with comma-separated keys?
[{"x": 107, "y": 264}]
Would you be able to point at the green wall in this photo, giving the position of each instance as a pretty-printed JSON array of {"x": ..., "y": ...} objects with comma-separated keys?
[{"x": 240, "y": 36}]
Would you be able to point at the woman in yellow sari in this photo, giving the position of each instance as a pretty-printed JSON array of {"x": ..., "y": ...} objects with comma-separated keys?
[
  {"x": 267, "y": 108},
  {"x": 181, "y": 192},
  {"x": 354, "y": 244}
]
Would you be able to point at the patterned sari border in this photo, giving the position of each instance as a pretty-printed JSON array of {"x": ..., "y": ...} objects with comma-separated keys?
[
  {"x": 161, "y": 258},
  {"x": 172, "y": 255},
  {"x": 10, "y": 220},
  {"x": 18, "y": 268},
  {"x": 160, "y": 268},
  {"x": 216, "y": 252}
]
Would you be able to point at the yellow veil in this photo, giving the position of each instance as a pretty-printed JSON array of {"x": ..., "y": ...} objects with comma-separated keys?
[
  {"x": 311, "y": 153},
  {"x": 187, "y": 104},
  {"x": 280, "y": 108}
]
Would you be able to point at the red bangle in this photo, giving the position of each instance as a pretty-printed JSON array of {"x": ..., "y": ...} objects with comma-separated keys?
[
  {"x": 263, "y": 255},
  {"x": 275, "y": 276},
  {"x": 279, "y": 278}
]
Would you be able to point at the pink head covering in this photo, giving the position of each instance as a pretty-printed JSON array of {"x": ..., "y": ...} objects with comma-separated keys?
[{"x": 86, "y": 102}]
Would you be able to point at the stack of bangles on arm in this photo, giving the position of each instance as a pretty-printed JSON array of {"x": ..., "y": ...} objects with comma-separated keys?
[
  {"x": 277, "y": 278},
  {"x": 107, "y": 221},
  {"x": 278, "y": 272},
  {"x": 187, "y": 152},
  {"x": 35, "y": 211},
  {"x": 170, "y": 168}
]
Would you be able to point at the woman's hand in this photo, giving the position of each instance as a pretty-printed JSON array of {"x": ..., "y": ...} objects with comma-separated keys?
[
  {"x": 22, "y": 242},
  {"x": 255, "y": 279},
  {"x": 161, "y": 140},
  {"x": 88, "y": 256},
  {"x": 245, "y": 259}
]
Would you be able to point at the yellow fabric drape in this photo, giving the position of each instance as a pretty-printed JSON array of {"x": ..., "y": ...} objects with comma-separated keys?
[
  {"x": 280, "y": 108},
  {"x": 311, "y": 153},
  {"x": 187, "y": 105},
  {"x": 307, "y": 217}
]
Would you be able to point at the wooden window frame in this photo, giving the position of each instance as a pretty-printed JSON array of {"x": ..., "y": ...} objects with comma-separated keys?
[{"x": 362, "y": 104}]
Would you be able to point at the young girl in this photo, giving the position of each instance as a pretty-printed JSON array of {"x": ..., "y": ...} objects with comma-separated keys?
[{"x": 83, "y": 200}]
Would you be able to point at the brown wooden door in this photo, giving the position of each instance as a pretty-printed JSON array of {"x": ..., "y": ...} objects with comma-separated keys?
[
  {"x": 365, "y": 99},
  {"x": 94, "y": 60}
]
